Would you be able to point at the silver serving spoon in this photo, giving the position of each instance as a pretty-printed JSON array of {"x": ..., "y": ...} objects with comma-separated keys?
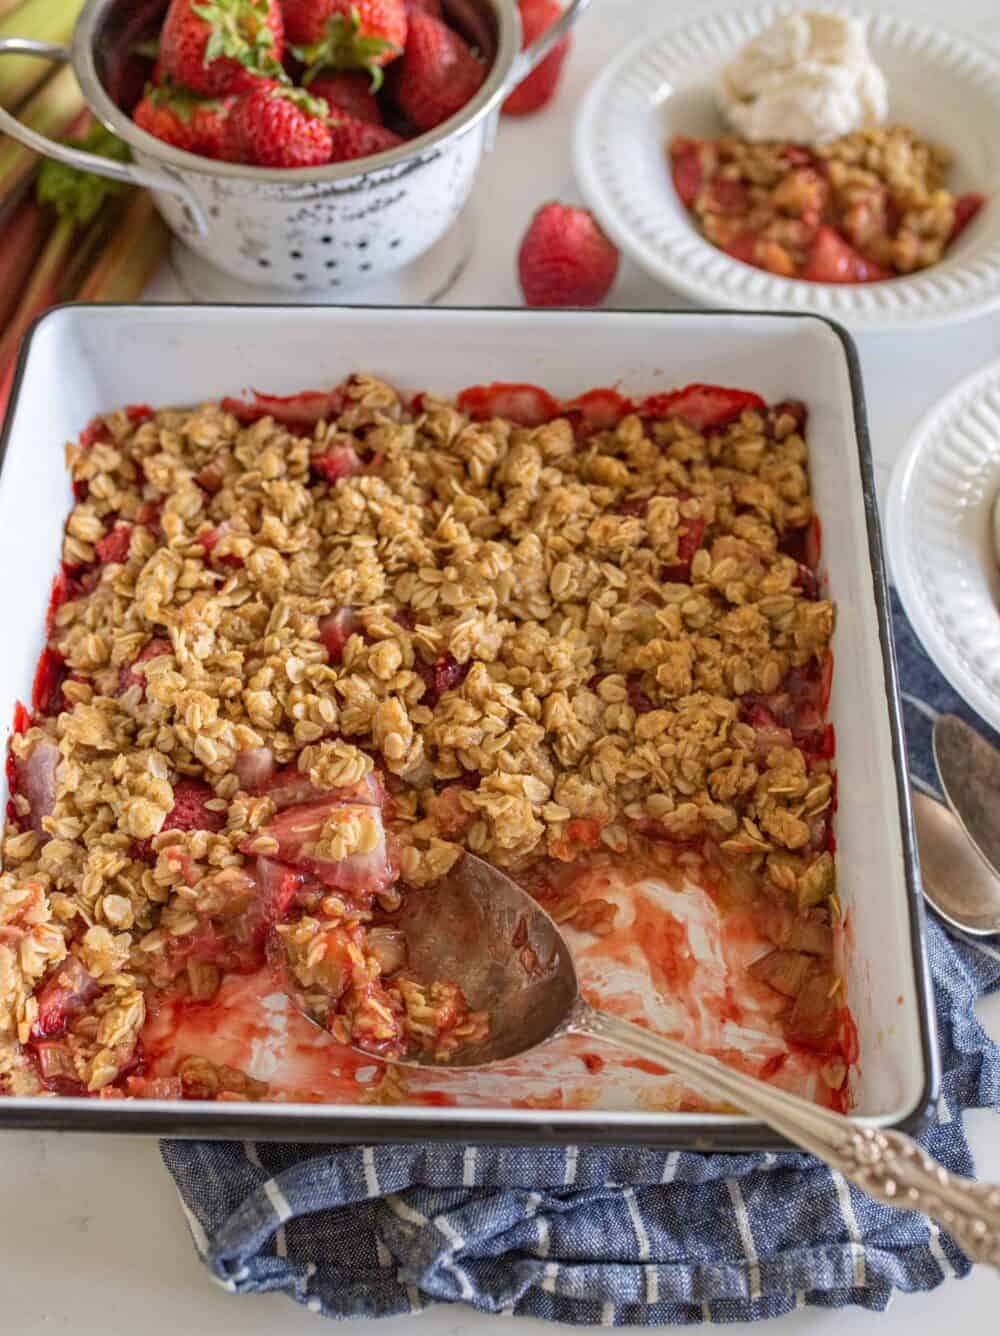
[{"x": 480, "y": 929}]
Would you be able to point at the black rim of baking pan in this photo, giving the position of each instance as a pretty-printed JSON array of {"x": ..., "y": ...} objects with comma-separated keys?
[{"x": 353, "y": 1124}]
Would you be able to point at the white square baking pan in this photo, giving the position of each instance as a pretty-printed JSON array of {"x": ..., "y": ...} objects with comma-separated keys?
[{"x": 79, "y": 361}]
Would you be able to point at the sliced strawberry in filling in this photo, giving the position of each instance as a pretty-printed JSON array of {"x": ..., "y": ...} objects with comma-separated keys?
[
  {"x": 289, "y": 787},
  {"x": 743, "y": 247},
  {"x": 46, "y": 690},
  {"x": 703, "y": 406},
  {"x": 189, "y": 811},
  {"x": 966, "y": 208},
  {"x": 444, "y": 674},
  {"x": 336, "y": 629},
  {"x": 153, "y": 649},
  {"x": 686, "y": 169},
  {"x": 335, "y": 462},
  {"x": 298, "y": 830},
  {"x": 293, "y": 410},
  {"x": 64, "y": 994},
  {"x": 114, "y": 546},
  {"x": 769, "y": 732},
  {"x": 526, "y": 405},
  {"x": 831, "y": 259},
  {"x": 597, "y": 410},
  {"x": 35, "y": 778},
  {"x": 727, "y": 197}
]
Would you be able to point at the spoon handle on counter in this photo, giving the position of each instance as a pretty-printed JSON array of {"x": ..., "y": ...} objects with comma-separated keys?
[{"x": 887, "y": 1165}]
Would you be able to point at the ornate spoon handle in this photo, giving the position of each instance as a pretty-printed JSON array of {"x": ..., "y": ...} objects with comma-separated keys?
[{"x": 888, "y": 1166}]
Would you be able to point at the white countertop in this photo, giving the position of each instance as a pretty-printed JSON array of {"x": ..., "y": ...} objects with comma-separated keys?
[{"x": 91, "y": 1235}]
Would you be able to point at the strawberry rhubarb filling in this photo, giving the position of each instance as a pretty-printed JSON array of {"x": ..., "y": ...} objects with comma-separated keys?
[{"x": 302, "y": 653}]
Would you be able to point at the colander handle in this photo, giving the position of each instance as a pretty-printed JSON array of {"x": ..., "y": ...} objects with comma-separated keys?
[
  {"x": 541, "y": 46},
  {"x": 75, "y": 157}
]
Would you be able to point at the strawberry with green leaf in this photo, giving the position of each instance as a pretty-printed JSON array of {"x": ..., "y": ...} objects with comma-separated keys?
[
  {"x": 274, "y": 126},
  {"x": 215, "y": 47},
  {"x": 346, "y": 34},
  {"x": 175, "y": 116}
]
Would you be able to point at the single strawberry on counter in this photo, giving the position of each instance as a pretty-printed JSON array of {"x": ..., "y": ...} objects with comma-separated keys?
[
  {"x": 565, "y": 259},
  {"x": 532, "y": 93},
  {"x": 348, "y": 91},
  {"x": 222, "y": 46},
  {"x": 438, "y": 73},
  {"x": 177, "y": 117},
  {"x": 279, "y": 127},
  {"x": 351, "y": 138},
  {"x": 345, "y": 34}
]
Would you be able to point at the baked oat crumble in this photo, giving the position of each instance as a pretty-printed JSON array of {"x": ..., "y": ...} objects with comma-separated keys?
[
  {"x": 292, "y": 670},
  {"x": 870, "y": 205}
]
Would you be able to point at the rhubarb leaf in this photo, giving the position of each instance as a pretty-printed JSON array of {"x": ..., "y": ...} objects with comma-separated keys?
[{"x": 79, "y": 195}]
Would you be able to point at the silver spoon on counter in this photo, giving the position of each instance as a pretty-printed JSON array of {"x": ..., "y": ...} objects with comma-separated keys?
[
  {"x": 478, "y": 928},
  {"x": 960, "y": 843}
]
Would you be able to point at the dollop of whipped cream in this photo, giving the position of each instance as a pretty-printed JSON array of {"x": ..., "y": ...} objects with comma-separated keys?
[{"x": 809, "y": 78}]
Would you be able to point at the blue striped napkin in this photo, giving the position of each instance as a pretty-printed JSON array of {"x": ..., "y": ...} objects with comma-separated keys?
[{"x": 611, "y": 1236}]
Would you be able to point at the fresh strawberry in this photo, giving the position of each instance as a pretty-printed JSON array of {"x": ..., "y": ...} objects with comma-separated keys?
[
  {"x": 279, "y": 127},
  {"x": 350, "y": 92},
  {"x": 346, "y": 34},
  {"x": 427, "y": 6},
  {"x": 177, "y": 117},
  {"x": 189, "y": 811},
  {"x": 532, "y": 93},
  {"x": 438, "y": 73},
  {"x": 337, "y": 461},
  {"x": 832, "y": 260},
  {"x": 703, "y": 406},
  {"x": 215, "y": 47},
  {"x": 565, "y": 259},
  {"x": 687, "y": 169},
  {"x": 115, "y": 544},
  {"x": 195, "y": 124},
  {"x": 358, "y": 139},
  {"x": 525, "y": 404},
  {"x": 966, "y": 208}
]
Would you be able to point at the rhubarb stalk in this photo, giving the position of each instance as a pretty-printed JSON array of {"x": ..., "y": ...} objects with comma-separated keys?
[
  {"x": 20, "y": 242},
  {"x": 44, "y": 21},
  {"x": 56, "y": 110},
  {"x": 130, "y": 257}
]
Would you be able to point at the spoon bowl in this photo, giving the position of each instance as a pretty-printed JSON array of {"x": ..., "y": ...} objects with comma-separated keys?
[
  {"x": 478, "y": 928},
  {"x": 957, "y": 882}
]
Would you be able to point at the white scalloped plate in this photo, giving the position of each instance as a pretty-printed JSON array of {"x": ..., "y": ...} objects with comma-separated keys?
[
  {"x": 947, "y": 88},
  {"x": 939, "y": 536}
]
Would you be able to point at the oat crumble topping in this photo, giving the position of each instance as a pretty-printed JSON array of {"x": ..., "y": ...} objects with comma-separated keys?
[{"x": 291, "y": 674}]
